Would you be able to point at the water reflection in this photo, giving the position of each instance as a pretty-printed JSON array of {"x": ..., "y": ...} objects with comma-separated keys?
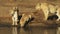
[
  {"x": 58, "y": 30},
  {"x": 29, "y": 30},
  {"x": 34, "y": 30},
  {"x": 14, "y": 30},
  {"x": 43, "y": 31}
]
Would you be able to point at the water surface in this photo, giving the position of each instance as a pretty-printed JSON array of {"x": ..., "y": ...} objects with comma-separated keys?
[{"x": 28, "y": 30}]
